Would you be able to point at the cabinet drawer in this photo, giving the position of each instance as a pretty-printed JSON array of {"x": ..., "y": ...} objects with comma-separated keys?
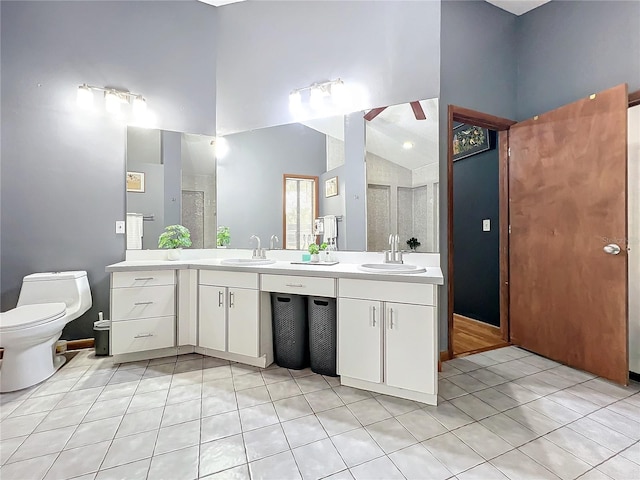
[
  {"x": 402, "y": 292},
  {"x": 142, "y": 302},
  {"x": 321, "y": 287},
  {"x": 139, "y": 335},
  {"x": 229, "y": 279},
  {"x": 142, "y": 279}
]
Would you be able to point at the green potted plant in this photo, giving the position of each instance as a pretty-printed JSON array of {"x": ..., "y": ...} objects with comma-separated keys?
[
  {"x": 223, "y": 237},
  {"x": 413, "y": 243},
  {"x": 314, "y": 250},
  {"x": 174, "y": 237}
]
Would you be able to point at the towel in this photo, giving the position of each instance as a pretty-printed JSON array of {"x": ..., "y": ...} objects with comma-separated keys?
[
  {"x": 330, "y": 228},
  {"x": 134, "y": 231}
]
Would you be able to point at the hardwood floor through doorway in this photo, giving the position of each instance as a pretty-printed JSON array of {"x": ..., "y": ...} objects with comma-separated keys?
[{"x": 472, "y": 336}]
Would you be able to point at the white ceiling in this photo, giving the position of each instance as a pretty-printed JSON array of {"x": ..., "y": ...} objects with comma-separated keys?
[
  {"x": 219, "y": 3},
  {"x": 518, "y": 7},
  {"x": 396, "y": 125}
]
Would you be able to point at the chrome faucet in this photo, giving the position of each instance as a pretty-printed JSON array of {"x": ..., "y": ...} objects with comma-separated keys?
[
  {"x": 258, "y": 253},
  {"x": 394, "y": 255},
  {"x": 273, "y": 242}
]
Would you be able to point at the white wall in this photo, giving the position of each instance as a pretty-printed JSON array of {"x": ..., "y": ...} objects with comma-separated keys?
[{"x": 634, "y": 238}]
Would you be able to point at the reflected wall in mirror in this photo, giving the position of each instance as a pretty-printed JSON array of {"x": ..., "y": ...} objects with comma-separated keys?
[
  {"x": 180, "y": 187},
  {"x": 269, "y": 179},
  {"x": 402, "y": 175}
]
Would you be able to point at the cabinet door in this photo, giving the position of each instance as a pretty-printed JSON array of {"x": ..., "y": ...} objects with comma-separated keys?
[
  {"x": 360, "y": 339},
  {"x": 212, "y": 318},
  {"x": 410, "y": 353},
  {"x": 243, "y": 321}
]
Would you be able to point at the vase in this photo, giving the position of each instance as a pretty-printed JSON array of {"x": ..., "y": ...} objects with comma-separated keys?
[
  {"x": 315, "y": 258},
  {"x": 174, "y": 254}
]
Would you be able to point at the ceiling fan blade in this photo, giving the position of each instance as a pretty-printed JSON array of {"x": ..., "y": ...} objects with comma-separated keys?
[
  {"x": 371, "y": 114},
  {"x": 418, "y": 111}
]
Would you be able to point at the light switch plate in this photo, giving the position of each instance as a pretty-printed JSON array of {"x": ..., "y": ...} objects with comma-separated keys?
[
  {"x": 120, "y": 226},
  {"x": 486, "y": 225}
]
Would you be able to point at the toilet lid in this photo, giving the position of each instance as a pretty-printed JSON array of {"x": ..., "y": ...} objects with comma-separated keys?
[{"x": 31, "y": 315}]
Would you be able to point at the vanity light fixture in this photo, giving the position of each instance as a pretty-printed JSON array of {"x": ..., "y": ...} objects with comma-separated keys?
[
  {"x": 113, "y": 99},
  {"x": 319, "y": 93}
]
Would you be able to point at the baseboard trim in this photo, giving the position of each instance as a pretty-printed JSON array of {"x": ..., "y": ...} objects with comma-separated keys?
[
  {"x": 444, "y": 356},
  {"x": 71, "y": 345},
  {"x": 634, "y": 376},
  {"x": 80, "y": 344}
]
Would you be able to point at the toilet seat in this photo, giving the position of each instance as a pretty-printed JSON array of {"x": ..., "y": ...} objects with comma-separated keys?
[{"x": 28, "y": 316}]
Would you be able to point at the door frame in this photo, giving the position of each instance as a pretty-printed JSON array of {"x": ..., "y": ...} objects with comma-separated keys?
[
  {"x": 316, "y": 207},
  {"x": 501, "y": 125}
]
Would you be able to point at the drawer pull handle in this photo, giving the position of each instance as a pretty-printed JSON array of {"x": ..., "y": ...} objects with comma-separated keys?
[
  {"x": 231, "y": 298},
  {"x": 145, "y": 278},
  {"x": 143, "y": 303},
  {"x": 144, "y": 335},
  {"x": 296, "y": 285},
  {"x": 220, "y": 298}
]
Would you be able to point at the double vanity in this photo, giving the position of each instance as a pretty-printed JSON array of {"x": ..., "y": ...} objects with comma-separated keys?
[{"x": 218, "y": 303}]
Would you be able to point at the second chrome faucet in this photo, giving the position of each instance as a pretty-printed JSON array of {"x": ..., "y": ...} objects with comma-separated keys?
[{"x": 395, "y": 254}]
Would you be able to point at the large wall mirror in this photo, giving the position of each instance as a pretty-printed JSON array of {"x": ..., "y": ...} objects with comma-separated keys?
[
  {"x": 171, "y": 179},
  {"x": 300, "y": 182},
  {"x": 402, "y": 176},
  {"x": 270, "y": 183}
]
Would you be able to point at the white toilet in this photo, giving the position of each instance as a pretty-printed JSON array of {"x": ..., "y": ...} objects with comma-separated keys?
[{"x": 29, "y": 332}]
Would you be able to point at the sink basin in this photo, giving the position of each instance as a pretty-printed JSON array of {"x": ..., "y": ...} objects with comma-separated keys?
[
  {"x": 247, "y": 261},
  {"x": 399, "y": 268}
]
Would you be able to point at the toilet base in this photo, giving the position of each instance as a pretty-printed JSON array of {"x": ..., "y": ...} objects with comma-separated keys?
[{"x": 25, "y": 367}]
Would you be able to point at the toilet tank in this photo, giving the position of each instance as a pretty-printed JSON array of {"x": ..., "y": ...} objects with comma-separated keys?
[{"x": 72, "y": 288}]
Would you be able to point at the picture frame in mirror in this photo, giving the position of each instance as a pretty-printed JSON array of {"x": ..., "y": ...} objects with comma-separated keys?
[{"x": 331, "y": 187}]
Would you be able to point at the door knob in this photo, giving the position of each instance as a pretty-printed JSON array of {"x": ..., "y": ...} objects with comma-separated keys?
[{"x": 612, "y": 249}]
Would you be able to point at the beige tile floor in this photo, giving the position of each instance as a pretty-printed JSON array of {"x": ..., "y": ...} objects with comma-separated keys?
[{"x": 502, "y": 414}]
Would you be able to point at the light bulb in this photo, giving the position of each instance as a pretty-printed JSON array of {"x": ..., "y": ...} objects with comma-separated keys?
[
  {"x": 112, "y": 102},
  {"x": 316, "y": 96},
  {"x": 407, "y": 145},
  {"x": 339, "y": 92},
  {"x": 85, "y": 97},
  {"x": 222, "y": 147},
  {"x": 139, "y": 106},
  {"x": 295, "y": 100}
]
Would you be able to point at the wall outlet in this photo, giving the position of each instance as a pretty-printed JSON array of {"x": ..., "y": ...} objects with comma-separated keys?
[
  {"x": 486, "y": 225},
  {"x": 120, "y": 226}
]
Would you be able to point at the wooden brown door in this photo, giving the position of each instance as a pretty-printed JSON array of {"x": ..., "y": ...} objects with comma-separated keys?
[{"x": 568, "y": 201}]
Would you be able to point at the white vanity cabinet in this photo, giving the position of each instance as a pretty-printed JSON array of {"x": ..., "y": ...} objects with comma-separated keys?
[
  {"x": 229, "y": 312},
  {"x": 143, "y": 311},
  {"x": 387, "y": 337}
]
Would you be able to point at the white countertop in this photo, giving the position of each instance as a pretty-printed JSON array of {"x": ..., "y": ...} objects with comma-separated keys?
[{"x": 432, "y": 275}]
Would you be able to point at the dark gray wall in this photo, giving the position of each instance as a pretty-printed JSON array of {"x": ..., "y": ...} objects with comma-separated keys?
[
  {"x": 389, "y": 50},
  {"x": 249, "y": 178},
  {"x": 476, "y": 262},
  {"x": 478, "y": 71},
  {"x": 63, "y": 183},
  {"x": 568, "y": 49}
]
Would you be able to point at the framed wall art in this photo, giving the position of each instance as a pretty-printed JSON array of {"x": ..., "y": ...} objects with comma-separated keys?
[
  {"x": 135, "y": 182},
  {"x": 331, "y": 187}
]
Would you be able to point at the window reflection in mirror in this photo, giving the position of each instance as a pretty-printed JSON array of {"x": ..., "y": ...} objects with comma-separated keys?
[
  {"x": 402, "y": 175},
  {"x": 300, "y": 210},
  {"x": 179, "y": 187}
]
